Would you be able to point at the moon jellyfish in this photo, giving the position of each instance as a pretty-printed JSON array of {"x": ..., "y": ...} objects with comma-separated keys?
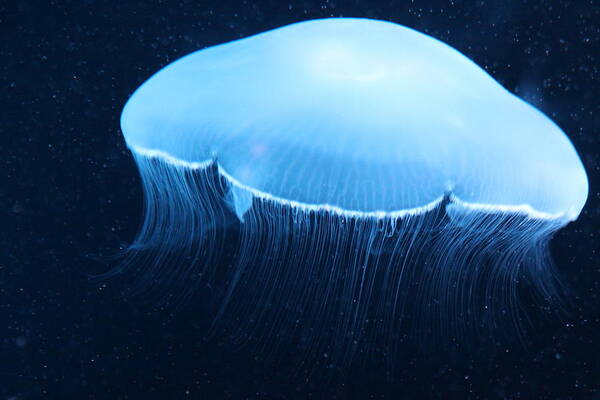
[{"x": 336, "y": 181}]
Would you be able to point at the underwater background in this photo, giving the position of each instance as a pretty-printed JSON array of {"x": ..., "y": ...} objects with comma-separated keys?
[{"x": 71, "y": 198}]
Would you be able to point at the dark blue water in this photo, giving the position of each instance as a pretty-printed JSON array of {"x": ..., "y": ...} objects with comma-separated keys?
[{"x": 70, "y": 198}]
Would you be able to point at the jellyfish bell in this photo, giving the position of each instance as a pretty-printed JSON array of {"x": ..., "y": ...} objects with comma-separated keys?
[
  {"x": 379, "y": 117},
  {"x": 364, "y": 162}
]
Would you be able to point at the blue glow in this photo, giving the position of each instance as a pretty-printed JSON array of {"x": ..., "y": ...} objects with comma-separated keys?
[{"x": 367, "y": 170}]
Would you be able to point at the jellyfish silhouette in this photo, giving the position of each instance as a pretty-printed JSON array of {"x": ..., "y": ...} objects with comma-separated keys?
[{"x": 337, "y": 180}]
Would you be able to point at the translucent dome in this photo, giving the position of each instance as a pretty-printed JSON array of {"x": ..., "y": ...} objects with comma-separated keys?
[{"x": 356, "y": 115}]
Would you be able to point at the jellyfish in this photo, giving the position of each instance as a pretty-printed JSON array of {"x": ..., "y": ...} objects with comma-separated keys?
[{"x": 337, "y": 180}]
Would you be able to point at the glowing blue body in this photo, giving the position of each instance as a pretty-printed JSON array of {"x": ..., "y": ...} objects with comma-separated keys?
[
  {"x": 357, "y": 114},
  {"x": 374, "y": 171}
]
